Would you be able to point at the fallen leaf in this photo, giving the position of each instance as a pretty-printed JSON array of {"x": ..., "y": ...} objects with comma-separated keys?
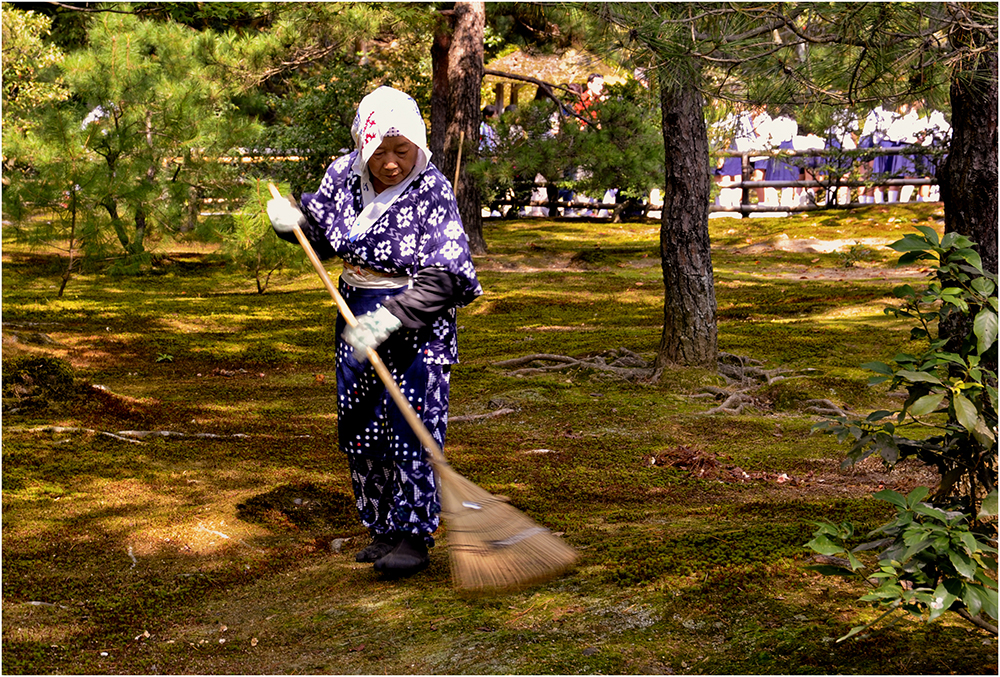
[
  {"x": 253, "y": 642},
  {"x": 358, "y": 648}
]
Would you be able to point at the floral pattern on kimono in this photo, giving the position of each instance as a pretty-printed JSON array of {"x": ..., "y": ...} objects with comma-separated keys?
[{"x": 421, "y": 229}]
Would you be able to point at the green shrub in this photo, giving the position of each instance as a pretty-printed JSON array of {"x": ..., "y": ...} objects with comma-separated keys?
[{"x": 936, "y": 555}]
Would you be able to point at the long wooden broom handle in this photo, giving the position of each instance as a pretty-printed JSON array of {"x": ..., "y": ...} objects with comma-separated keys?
[{"x": 383, "y": 372}]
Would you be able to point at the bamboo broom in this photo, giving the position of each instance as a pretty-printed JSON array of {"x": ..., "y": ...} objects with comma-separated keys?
[{"x": 493, "y": 546}]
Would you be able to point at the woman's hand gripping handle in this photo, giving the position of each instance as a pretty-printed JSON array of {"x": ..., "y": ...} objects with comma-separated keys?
[{"x": 426, "y": 439}]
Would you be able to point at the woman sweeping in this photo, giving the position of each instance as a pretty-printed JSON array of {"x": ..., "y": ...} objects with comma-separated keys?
[{"x": 391, "y": 216}]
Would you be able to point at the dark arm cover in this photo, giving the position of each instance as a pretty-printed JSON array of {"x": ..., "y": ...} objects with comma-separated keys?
[
  {"x": 315, "y": 235},
  {"x": 434, "y": 291}
]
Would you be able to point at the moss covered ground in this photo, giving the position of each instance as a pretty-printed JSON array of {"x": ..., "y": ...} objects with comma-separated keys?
[{"x": 227, "y": 548}]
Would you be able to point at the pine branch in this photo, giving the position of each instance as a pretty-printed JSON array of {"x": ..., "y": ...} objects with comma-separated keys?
[
  {"x": 97, "y": 10},
  {"x": 546, "y": 87}
]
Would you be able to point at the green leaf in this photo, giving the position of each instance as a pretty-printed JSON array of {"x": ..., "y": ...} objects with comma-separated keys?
[
  {"x": 887, "y": 448},
  {"x": 930, "y": 234},
  {"x": 971, "y": 256},
  {"x": 963, "y": 564},
  {"x": 989, "y": 602},
  {"x": 918, "y": 376},
  {"x": 917, "y": 495},
  {"x": 855, "y": 630},
  {"x": 927, "y": 404},
  {"x": 893, "y": 497},
  {"x": 914, "y": 549},
  {"x": 941, "y": 603},
  {"x": 984, "y": 286},
  {"x": 942, "y": 357},
  {"x": 969, "y": 541},
  {"x": 912, "y": 257},
  {"x": 984, "y": 580},
  {"x": 882, "y": 593},
  {"x": 965, "y": 412},
  {"x": 985, "y": 328},
  {"x": 903, "y": 291},
  {"x": 855, "y": 562},
  {"x": 872, "y": 545},
  {"x": 983, "y": 434},
  {"x": 989, "y": 507},
  {"x": 972, "y": 595},
  {"x": 912, "y": 243},
  {"x": 824, "y": 546},
  {"x": 878, "y": 367}
]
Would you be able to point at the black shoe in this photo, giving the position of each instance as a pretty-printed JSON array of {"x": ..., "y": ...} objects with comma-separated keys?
[
  {"x": 406, "y": 559},
  {"x": 381, "y": 545}
]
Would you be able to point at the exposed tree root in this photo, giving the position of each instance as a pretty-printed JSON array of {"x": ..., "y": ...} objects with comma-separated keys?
[
  {"x": 130, "y": 436},
  {"x": 744, "y": 377},
  {"x": 824, "y": 407},
  {"x": 744, "y": 370},
  {"x": 620, "y": 362},
  {"x": 733, "y": 405},
  {"x": 57, "y": 429}
]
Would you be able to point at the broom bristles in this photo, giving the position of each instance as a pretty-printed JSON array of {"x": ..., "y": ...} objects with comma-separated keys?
[{"x": 492, "y": 545}]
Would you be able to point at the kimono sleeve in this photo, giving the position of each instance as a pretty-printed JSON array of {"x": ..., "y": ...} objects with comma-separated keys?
[
  {"x": 443, "y": 243},
  {"x": 329, "y": 207}
]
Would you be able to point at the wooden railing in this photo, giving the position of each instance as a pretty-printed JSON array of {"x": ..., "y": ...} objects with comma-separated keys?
[{"x": 829, "y": 180}]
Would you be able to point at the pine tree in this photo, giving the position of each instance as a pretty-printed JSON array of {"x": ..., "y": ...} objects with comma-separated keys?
[
  {"x": 457, "y": 66},
  {"x": 148, "y": 130},
  {"x": 836, "y": 54}
]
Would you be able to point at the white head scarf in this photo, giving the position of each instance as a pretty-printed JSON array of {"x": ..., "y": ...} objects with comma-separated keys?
[{"x": 385, "y": 112}]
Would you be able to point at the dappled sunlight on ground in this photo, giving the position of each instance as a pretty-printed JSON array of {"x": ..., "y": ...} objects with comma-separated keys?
[{"x": 233, "y": 553}]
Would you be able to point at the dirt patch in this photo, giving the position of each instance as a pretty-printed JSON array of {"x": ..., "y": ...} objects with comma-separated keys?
[{"x": 302, "y": 506}]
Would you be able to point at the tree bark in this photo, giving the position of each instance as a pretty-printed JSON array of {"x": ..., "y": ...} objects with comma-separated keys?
[
  {"x": 690, "y": 336},
  {"x": 457, "y": 66},
  {"x": 968, "y": 178},
  {"x": 439, "y": 90}
]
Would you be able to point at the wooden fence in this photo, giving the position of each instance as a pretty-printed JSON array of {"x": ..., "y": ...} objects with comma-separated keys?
[{"x": 829, "y": 184}]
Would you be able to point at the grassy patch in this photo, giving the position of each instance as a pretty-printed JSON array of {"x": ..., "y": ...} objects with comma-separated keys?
[{"x": 227, "y": 546}]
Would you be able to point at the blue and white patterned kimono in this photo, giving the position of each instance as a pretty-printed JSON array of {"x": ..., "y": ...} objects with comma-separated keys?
[{"x": 393, "y": 480}]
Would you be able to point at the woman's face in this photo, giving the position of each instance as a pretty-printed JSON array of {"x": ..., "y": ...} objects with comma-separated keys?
[{"x": 392, "y": 161}]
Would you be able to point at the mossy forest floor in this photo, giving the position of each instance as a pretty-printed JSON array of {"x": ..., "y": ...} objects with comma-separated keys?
[{"x": 228, "y": 548}]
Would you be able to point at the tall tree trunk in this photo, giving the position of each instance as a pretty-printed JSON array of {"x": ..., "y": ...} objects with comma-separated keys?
[
  {"x": 690, "y": 335},
  {"x": 457, "y": 66},
  {"x": 969, "y": 176},
  {"x": 439, "y": 89}
]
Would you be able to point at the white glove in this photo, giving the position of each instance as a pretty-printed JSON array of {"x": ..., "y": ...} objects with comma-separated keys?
[
  {"x": 284, "y": 215},
  {"x": 372, "y": 330}
]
